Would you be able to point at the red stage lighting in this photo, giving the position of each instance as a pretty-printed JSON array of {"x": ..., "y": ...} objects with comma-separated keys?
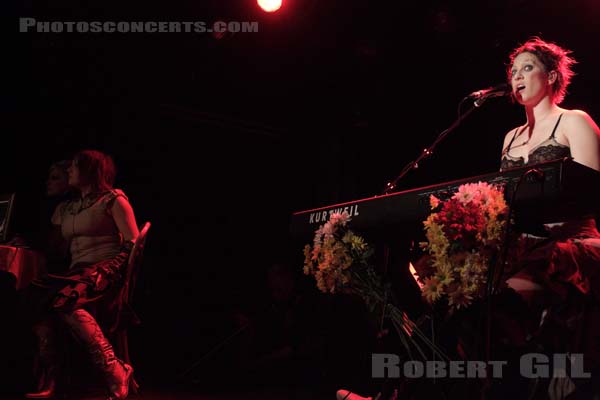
[{"x": 269, "y": 5}]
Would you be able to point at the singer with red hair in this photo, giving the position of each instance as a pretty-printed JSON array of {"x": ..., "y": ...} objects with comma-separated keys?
[
  {"x": 556, "y": 271},
  {"x": 550, "y": 300}
]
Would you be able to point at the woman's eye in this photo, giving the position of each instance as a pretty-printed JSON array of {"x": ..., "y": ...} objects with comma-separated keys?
[{"x": 528, "y": 67}]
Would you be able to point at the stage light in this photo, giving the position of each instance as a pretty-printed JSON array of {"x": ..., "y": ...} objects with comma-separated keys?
[{"x": 269, "y": 5}]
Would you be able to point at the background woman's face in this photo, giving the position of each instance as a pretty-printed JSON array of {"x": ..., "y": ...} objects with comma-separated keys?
[
  {"x": 74, "y": 178},
  {"x": 57, "y": 182}
]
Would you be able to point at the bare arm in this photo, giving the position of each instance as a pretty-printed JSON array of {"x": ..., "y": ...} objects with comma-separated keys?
[
  {"x": 124, "y": 218},
  {"x": 57, "y": 247},
  {"x": 56, "y": 218},
  {"x": 584, "y": 139}
]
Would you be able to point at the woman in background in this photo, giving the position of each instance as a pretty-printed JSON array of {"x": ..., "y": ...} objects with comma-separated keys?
[
  {"x": 57, "y": 184},
  {"x": 100, "y": 228}
]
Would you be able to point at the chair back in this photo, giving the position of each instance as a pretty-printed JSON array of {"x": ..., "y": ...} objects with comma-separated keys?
[
  {"x": 6, "y": 212},
  {"x": 134, "y": 263},
  {"x": 127, "y": 317}
]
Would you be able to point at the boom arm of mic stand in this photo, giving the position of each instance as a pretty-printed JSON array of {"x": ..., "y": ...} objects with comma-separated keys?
[{"x": 427, "y": 151}]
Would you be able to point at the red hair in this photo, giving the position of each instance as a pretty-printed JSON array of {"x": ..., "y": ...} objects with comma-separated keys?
[
  {"x": 554, "y": 58},
  {"x": 96, "y": 168}
]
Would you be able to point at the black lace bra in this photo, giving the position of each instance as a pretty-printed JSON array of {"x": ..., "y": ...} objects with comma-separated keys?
[{"x": 548, "y": 150}]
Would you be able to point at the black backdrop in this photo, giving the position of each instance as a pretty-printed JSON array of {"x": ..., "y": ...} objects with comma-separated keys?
[{"x": 217, "y": 141}]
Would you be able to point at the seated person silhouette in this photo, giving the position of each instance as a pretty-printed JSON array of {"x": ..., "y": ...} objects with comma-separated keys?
[
  {"x": 282, "y": 337},
  {"x": 100, "y": 228},
  {"x": 58, "y": 190}
]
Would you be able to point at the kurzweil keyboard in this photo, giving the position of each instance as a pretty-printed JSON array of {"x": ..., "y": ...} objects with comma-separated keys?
[{"x": 548, "y": 192}]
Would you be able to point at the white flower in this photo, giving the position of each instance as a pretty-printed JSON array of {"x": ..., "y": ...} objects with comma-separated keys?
[
  {"x": 466, "y": 193},
  {"x": 339, "y": 218}
]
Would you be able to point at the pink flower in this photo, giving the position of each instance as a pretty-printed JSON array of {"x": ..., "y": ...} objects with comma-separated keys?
[{"x": 339, "y": 218}]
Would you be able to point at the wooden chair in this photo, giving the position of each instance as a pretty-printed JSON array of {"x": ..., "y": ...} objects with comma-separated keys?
[{"x": 127, "y": 318}]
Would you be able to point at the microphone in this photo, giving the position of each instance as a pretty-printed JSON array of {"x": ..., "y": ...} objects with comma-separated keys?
[{"x": 482, "y": 95}]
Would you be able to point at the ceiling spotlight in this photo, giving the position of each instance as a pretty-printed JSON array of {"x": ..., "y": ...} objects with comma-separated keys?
[{"x": 269, "y": 5}]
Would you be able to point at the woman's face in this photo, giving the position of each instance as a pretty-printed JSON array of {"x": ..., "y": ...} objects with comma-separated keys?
[
  {"x": 74, "y": 178},
  {"x": 529, "y": 79},
  {"x": 57, "y": 182}
]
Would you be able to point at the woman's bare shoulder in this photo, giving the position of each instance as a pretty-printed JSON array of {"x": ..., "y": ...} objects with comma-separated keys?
[{"x": 577, "y": 117}]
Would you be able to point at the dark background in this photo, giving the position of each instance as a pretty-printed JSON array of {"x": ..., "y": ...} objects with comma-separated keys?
[{"x": 218, "y": 140}]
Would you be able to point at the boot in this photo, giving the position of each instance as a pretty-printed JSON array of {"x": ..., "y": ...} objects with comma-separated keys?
[
  {"x": 343, "y": 394},
  {"x": 46, "y": 363},
  {"x": 117, "y": 373},
  {"x": 46, "y": 385}
]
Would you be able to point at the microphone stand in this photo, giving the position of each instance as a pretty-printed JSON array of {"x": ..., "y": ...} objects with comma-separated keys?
[
  {"x": 414, "y": 165},
  {"x": 429, "y": 150}
]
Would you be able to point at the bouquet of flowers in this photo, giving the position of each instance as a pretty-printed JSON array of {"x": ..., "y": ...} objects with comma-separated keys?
[
  {"x": 339, "y": 260},
  {"x": 464, "y": 234},
  {"x": 335, "y": 250}
]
